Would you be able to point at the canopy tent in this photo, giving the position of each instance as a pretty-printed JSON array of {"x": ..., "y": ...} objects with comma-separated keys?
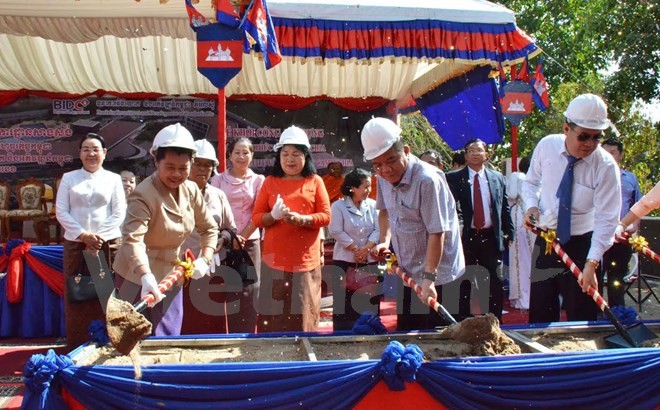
[{"x": 330, "y": 48}]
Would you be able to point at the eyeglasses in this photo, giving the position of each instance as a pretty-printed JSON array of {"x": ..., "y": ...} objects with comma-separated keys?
[
  {"x": 87, "y": 150},
  {"x": 584, "y": 137}
]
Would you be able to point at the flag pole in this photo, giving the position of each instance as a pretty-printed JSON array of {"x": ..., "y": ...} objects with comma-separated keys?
[
  {"x": 514, "y": 148},
  {"x": 222, "y": 130}
]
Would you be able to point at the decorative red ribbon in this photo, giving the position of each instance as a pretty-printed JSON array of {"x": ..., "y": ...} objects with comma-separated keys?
[
  {"x": 4, "y": 260},
  {"x": 15, "y": 273}
]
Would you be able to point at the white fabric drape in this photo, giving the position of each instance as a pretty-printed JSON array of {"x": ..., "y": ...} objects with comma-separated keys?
[{"x": 167, "y": 65}]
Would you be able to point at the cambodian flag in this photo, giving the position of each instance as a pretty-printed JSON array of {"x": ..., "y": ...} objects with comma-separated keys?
[
  {"x": 523, "y": 73},
  {"x": 540, "y": 86},
  {"x": 196, "y": 18},
  {"x": 261, "y": 33},
  {"x": 226, "y": 14}
]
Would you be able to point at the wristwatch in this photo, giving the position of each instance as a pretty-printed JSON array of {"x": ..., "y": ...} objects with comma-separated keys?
[
  {"x": 432, "y": 276},
  {"x": 594, "y": 262}
]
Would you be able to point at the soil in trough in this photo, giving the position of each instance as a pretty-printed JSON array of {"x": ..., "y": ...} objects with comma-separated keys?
[
  {"x": 572, "y": 342},
  {"x": 245, "y": 351}
]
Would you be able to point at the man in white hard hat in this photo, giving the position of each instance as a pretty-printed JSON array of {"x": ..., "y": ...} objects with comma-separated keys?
[
  {"x": 418, "y": 214},
  {"x": 573, "y": 186},
  {"x": 162, "y": 212}
]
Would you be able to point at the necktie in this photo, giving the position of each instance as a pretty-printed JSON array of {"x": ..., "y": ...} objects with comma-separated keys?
[
  {"x": 478, "y": 205},
  {"x": 565, "y": 194}
]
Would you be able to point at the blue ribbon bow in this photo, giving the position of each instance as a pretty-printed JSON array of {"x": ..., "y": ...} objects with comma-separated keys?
[{"x": 400, "y": 364}]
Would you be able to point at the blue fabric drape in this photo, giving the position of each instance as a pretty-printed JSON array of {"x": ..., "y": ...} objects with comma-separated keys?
[
  {"x": 614, "y": 379},
  {"x": 451, "y": 109},
  {"x": 336, "y": 384},
  {"x": 41, "y": 313}
]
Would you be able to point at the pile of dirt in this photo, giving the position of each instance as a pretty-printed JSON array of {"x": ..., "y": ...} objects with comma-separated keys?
[
  {"x": 483, "y": 333},
  {"x": 126, "y": 327},
  {"x": 651, "y": 343}
]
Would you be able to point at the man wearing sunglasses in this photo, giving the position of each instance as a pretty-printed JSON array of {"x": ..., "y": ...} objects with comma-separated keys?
[{"x": 573, "y": 186}]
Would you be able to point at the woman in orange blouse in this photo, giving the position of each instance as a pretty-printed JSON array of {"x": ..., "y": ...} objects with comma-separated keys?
[{"x": 292, "y": 206}]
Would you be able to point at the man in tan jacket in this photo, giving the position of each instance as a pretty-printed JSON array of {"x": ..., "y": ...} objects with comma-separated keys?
[{"x": 162, "y": 212}]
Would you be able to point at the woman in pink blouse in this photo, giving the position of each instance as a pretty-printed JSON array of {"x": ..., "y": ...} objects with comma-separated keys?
[{"x": 241, "y": 186}]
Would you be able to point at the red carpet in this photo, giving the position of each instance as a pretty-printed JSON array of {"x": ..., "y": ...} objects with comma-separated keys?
[{"x": 14, "y": 353}]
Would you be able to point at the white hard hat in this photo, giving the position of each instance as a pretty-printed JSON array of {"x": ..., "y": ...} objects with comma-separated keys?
[
  {"x": 292, "y": 136},
  {"x": 205, "y": 150},
  {"x": 588, "y": 111},
  {"x": 378, "y": 135},
  {"x": 174, "y": 135}
]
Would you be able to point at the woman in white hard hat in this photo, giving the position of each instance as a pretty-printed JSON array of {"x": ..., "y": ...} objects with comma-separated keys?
[
  {"x": 90, "y": 207},
  {"x": 162, "y": 212},
  {"x": 203, "y": 167},
  {"x": 292, "y": 206},
  {"x": 241, "y": 185}
]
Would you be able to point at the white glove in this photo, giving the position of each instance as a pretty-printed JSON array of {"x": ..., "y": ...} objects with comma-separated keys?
[
  {"x": 200, "y": 268},
  {"x": 215, "y": 262},
  {"x": 279, "y": 210},
  {"x": 149, "y": 285}
]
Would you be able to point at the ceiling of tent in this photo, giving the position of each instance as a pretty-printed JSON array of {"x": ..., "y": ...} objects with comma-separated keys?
[{"x": 128, "y": 46}]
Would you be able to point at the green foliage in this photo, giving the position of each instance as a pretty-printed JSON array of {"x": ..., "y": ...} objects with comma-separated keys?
[
  {"x": 419, "y": 135},
  {"x": 581, "y": 38},
  {"x": 583, "y": 42}
]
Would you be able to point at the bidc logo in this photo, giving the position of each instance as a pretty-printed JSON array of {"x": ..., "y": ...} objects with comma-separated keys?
[{"x": 71, "y": 107}]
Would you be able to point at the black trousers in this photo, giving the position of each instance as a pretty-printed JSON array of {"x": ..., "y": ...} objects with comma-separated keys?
[
  {"x": 347, "y": 304},
  {"x": 552, "y": 279},
  {"x": 615, "y": 265},
  {"x": 413, "y": 314},
  {"x": 481, "y": 248}
]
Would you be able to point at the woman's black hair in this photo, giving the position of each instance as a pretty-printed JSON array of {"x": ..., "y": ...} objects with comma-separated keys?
[
  {"x": 354, "y": 179},
  {"x": 92, "y": 136},
  {"x": 160, "y": 152},
  {"x": 232, "y": 145},
  {"x": 308, "y": 169}
]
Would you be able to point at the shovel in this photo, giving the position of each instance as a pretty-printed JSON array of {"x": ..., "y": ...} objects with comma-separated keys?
[
  {"x": 101, "y": 276},
  {"x": 433, "y": 303},
  {"x": 632, "y": 337},
  {"x": 125, "y": 324}
]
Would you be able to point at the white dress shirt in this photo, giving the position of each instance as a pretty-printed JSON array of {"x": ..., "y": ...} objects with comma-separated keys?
[
  {"x": 90, "y": 202},
  {"x": 596, "y": 200},
  {"x": 485, "y": 195}
]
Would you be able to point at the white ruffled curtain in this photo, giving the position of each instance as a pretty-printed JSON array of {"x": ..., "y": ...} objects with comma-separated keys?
[{"x": 162, "y": 64}]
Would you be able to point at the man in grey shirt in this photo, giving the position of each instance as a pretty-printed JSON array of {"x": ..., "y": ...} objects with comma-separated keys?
[{"x": 418, "y": 215}]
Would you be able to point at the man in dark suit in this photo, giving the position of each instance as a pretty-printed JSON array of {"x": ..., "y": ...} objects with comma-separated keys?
[{"x": 487, "y": 227}]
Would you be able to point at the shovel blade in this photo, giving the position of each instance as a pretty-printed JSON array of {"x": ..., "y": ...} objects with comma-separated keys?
[
  {"x": 638, "y": 332},
  {"x": 101, "y": 276}
]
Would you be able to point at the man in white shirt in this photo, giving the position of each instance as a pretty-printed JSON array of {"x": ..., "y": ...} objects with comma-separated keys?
[{"x": 586, "y": 223}]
